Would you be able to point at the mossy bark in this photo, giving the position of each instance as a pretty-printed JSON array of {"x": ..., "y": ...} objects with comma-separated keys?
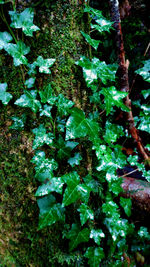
[{"x": 21, "y": 244}]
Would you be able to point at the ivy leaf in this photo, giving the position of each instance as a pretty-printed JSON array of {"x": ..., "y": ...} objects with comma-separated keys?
[
  {"x": 77, "y": 236},
  {"x": 85, "y": 213},
  {"x": 97, "y": 235},
  {"x": 117, "y": 227},
  {"x": 113, "y": 132},
  {"x": 4, "y": 96},
  {"x": 49, "y": 211},
  {"x": 46, "y": 111},
  {"x": 18, "y": 122},
  {"x": 24, "y": 20},
  {"x": 47, "y": 95},
  {"x": 78, "y": 126},
  {"x": 64, "y": 150},
  {"x": 44, "y": 64},
  {"x": 92, "y": 42},
  {"x": 63, "y": 105},
  {"x": 28, "y": 99},
  {"x": 145, "y": 71},
  {"x": 145, "y": 93},
  {"x": 94, "y": 12},
  {"x": 5, "y": 38},
  {"x": 143, "y": 233},
  {"x": 114, "y": 97},
  {"x": 94, "y": 255},
  {"x": 126, "y": 204},
  {"x": 30, "y": 82},
  {"x": 110, "y": 208},
  {"x": 92, "y": 70},
  {"x": 75, "y": 160},
  {"x": 53, "y": 185},
  {"x": 43, "y": 164},
  {"x": 144, "y": 123},
  {"x": 103, "y": 25},
  {"x": 44, "y": 176},
  {"x": 71, "y": 193},
  {"x": 41, "y": 137},
  {"x": 17, "y": 51}
]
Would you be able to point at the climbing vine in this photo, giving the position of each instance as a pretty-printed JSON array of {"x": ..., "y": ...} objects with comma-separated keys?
[{"x": 77, "y": 153}]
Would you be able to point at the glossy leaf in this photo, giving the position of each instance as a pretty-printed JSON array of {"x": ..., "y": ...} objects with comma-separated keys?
[
  {"x": 44, "y": 176},
  {"x": 77, "y": 236},
  {"x": 92, "y": 42},
  {"x": 46, "y": 111},
  {"x": 126, "y": 204},
  {"x": 103, "y": 25},
  {"x": 5, "y": 38},
  {"x": 18, "y": 52},
  {"x": 64, "y": 148},
  {"x": 94, "y": 69},
  {"x": 79, "y": 126},
  {"x": 28, "y": 99},
  {"x": 30, "y": 82},
  {"x": 85, "y": 214},
  {"x": 113, "y": 132},
  {"x": 24, "y": 20},
  {"x": 47, "y": 95},
  {"x": 145, "y": 93},
  {"x": 63, "y": 105},
  {"x": 75, "y": 160},
  {"x": 44, "y": 64},
  {"x": 53, "y": 185},
  {"x": 71, "y": 193},
  {"x": 50, "y": 212},
  {"x": 114, "y": 98},
  {"x": 43, "y": 164},
  {"x": 41, "y": 137},
  {"x": 94, "y": 12},
  {"x": 18, "y": 122},
  {"x": 117, "y": 227},
  {"x": 145, "y": 71},
  {"x": 5, "y": 97},
  {"x": 97, "y": 235},
  {"x": 94, "y": 255}
]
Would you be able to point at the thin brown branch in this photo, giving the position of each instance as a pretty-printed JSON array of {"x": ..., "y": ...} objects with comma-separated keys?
[{"x": 123, "y": 75}]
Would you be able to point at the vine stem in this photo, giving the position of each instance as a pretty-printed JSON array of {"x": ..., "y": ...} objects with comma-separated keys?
[{"x": 123, "y": 76}]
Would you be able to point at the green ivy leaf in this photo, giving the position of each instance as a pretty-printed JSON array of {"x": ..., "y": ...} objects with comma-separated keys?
[
  {"x": 145, "y": 93},
  {"x": 117, "y": 227},
  {"x": 64, "y": 148},
  {"x": 114, "y": 97},
  {"x": 78, "y": 126},
  {"x": 144, "y": 123},
  {"x": 97, "y": 235},
  {"x": 24, "y": 20},
  {"x": 17, "y": 51},
  {"x": 126, "y": 204},
  {"x": 103, "y": 25},
  {"x": 143, "y": 233},
  {"x": 85, "y": 213},
  {"x": 77, "y": 236},
  {"x": 44, "y": 176},
  {"x": 71, "y": 193},
  {"x": 28, "y": 99},
  {"x": 50, "y": 212},
  {"x": 63, "y": 105},
  {"x": 44, "y": 64},
  {"x": 92, "y": 42},
  {"x": 145, "y": 71},
  {"x": 92, "y": 70},
  {"x": 94, "y": 12},
  {"x": 110, "y": 208},
  {"x": 18, "y": 122},
  {"x": 43, "y": 164},
  {"x": 30, "y": 82},
  {"x": 4, "y": 96},
  {"x": 5, "y": 38},
  {"x": 53, "y": 185},
  {"x": 113, "y": 132},
  {"x": 47, "y": 95},
  {"x": 46, "y": 111},
  {"x": 75, "y": 160},
  {"x": 41, "y": 137},
  {"x": 94, "y": 255}
]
